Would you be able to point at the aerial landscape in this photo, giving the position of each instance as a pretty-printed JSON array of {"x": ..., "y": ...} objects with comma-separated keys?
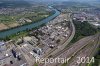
[{"x": 49, "y": 33}]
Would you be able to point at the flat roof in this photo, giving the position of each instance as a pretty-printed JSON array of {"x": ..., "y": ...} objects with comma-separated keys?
[{"x": 2, "y": 43}]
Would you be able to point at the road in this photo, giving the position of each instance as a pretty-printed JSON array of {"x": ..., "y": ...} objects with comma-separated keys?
[
  {"x": 28, "y": 59},
  {"x": 71, "y": 51},
  {"x": 60, "y": 48},
  {"x": 85, "y": 52}
]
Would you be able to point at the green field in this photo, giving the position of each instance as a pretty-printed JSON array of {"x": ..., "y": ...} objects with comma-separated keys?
[{"x": 14, "y": 21}]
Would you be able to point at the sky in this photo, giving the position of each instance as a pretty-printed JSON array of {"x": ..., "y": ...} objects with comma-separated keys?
[
  {"x": 85, "y": 1},
  {"x": 66, "y": 0}
]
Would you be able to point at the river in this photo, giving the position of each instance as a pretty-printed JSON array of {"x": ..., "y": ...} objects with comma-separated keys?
[{"x": 9, "y": 32}]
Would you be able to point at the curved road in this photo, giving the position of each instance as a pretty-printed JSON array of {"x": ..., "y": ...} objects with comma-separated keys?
[{"x": 61, "y": 48}]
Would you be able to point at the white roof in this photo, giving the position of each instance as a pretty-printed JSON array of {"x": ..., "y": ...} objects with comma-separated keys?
[
  {"x": 2, "y": 43},
  {"x": 97, "y": 24}
]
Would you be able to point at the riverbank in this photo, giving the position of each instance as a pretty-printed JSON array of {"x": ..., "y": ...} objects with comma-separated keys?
[
  {"x": 7, "y": 33},
  {"x": 28, "y": 23},
  {"x": 20, "y": 34}
]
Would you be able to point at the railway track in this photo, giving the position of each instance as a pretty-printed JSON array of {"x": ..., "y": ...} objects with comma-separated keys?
[
  {"x": 85, "y": 42},
  {"x": 89, "y": 48}
]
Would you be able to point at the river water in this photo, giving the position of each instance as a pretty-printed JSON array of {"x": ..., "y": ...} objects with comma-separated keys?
[{"x": 29, "y": 26}]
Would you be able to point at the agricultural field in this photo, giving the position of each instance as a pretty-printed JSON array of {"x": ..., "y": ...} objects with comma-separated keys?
[
  {"x": 13, "y": 17},
  {"x": 3, "y": 26}
]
